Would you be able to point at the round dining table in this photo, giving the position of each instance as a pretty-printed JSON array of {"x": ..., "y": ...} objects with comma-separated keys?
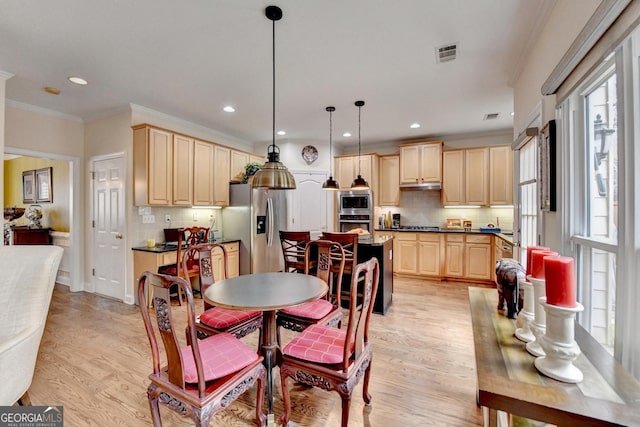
[{"x": 266, "y": 292}]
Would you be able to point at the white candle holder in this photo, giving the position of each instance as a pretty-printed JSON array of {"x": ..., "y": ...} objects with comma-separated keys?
[
  {"x": 559, "y": 344},
  {"x": 525, "y": 317},
  {"x": 539, "y": 324}
]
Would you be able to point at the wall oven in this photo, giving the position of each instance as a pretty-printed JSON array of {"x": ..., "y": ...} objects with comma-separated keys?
[{"x": 355, "y": 210}]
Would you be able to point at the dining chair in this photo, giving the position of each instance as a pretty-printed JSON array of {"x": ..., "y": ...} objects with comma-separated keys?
[
  {"x": 323, "y": 311},
  {"x": 331, "y": 358},
  {"x": 349, "y": 243},
  {"x": 216, "y": 320},
  {"x": 293, "y": 244},
  {"x": 186, "y": 237},
  {"x": 203, "y": 377}
]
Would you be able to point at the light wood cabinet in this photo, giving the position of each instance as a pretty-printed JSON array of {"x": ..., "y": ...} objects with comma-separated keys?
[
  {"x": 391, "y": 235},
  {"x": 203, "y": 173},
  {"x": 454, "y": 255},
  {"x": 254, "y": 158},
  {"x": 429, "y": 254},
  {"x": 421, "y": 163},
  {"x": 453, "y": 178},
  {"x": 182, "y": 170},
  {"x": 407, "y": 253},
  {"x": 477, "y": 257},
  {"x": 221, "y": 165},
  {"x": 152, "y": 166},
  {"x": 346, "y": 169},
  {"x": 239, "y": 160},
  {"x": 465, "y": 178},
  {"x": 389, "y": 181},
  {"x": 468, "y": 256},
  {"x": 233, "y": 261},
  {"x": 500, "y": 175}
]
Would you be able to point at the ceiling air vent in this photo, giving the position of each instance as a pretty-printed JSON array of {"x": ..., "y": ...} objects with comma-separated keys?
[
  {"x": 491, "y": 116},
  {"x": 446, "y": 53}
]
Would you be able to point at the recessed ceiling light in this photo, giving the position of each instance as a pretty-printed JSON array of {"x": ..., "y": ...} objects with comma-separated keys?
[
  {"x": 78, "y": 80},
  {"x": 281, "y": 132},
  {"x": 52, "y": 90},
  {"x": 229, "y": 109},
  {"x": 346, "y": 134},
  {"x": 415, "y": 125}
]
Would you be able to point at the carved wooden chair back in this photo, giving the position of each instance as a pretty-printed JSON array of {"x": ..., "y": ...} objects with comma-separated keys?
[
  {"x": 329, "y": 259},
  {"x": 192, "y": 236},
  {"x": 346, "y": 354},
  {"x": 189, "y": 383},
  {"x": 349, "y": 243},
  {"x": 293, "y": 244},
  {"x": 215, "y": 320}
]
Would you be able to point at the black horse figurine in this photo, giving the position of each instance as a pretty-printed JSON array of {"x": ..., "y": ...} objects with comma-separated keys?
[{"x": 507, "y": 273}]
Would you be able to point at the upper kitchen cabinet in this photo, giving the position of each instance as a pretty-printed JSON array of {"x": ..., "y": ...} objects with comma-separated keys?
[
  {"x": 389, "y": 181},
  {"x": 221, "y": 166},
  {"x": 203, "y": 173},
  {"x": 500, "y": 175},
  {"x": 257, "y": 159},
  {"x": 239, "y": 160},
  {"x": 152, "y": 166},
  {"x": 464, "y": 177},
  {"x": 182, "y": 170},
  {"x": 347, "y": 168},
  {"x": 421, "y": 163}
]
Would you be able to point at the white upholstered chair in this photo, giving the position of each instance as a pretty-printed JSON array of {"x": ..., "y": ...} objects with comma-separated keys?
[{"x": 27, "y": 277}]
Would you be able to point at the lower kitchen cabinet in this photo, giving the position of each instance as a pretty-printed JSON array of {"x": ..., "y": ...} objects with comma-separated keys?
[
  {"x": 454, "y": 255},
  {"x": 429, "y": 254},
  {"x": 407, "y": 253},
  {"x": 477, "y": 257}
]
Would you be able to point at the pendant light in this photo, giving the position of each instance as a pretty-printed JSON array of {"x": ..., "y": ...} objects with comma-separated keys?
[
  {"x": 330, "y": 184},
  {"x": 359, "y": 183},
  {"x": 274, "y": 175}
]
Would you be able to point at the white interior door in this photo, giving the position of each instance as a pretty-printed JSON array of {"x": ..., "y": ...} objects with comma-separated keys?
[
  {"x": 309, "y": 204},
  {"x": 108, "y": 227}
]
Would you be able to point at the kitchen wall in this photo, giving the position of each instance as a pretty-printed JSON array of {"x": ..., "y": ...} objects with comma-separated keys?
[
  {"x": 180, "y": 218},
  {"x": 425, "y": 208}
]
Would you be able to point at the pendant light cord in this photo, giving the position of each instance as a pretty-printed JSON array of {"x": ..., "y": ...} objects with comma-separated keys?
[
  {"x": 359, "y": 151},
  {"x": 330, "y": 144},
  {"x": 273, "y": 73}
]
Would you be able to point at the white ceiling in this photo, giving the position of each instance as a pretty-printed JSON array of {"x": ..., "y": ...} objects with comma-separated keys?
[{"x": 190, "y": 58}]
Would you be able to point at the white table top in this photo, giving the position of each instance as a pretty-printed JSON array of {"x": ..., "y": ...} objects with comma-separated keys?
[{"x": 265, "y": 291}]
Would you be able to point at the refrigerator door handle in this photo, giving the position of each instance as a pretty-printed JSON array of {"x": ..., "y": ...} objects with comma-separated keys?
[{"x": 270, "y": 221}]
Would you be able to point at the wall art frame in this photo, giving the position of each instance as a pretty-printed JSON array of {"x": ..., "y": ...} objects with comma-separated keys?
[
  {"x": 44, "y": 185},
  {"x": 28, "y": 187}
]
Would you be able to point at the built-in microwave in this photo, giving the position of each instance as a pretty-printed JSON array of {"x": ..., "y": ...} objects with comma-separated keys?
[{"x": 353, "y": 202}]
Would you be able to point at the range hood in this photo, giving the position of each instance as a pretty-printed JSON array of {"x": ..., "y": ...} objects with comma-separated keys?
[{"x": 418, "y": 186}]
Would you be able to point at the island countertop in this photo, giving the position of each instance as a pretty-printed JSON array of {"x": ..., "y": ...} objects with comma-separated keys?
[{"x": 162, "y": 248}]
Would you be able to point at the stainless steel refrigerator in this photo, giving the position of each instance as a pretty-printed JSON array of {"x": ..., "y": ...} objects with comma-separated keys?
[{"x": 256, "y": 216}]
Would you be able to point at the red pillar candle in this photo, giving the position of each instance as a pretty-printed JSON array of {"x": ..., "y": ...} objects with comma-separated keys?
[
  {"x": 537, "y": 266},
  {"x": 560, "y": 282},
  {"x": 533, "y": 248}
]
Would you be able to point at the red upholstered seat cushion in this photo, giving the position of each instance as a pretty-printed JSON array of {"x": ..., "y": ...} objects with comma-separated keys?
[
  {"x": 222, "y": 354},
  {"x": 318, "y": 343},
  {"x": 221, "y": 318},
  {"x": 311, "y": 310}
]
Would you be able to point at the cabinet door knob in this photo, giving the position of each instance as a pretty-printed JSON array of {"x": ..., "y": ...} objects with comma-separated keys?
[{"x": 119, "y": 236}]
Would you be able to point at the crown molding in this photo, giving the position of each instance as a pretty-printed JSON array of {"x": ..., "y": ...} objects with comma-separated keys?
[{"x": 41, "y": 110}]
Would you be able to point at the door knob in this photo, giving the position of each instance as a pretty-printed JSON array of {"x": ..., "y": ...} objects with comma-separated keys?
[{"x": 119, "y": 236}]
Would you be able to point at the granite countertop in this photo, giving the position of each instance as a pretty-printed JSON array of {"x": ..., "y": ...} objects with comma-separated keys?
[
  {"x": 370, "y": 240},
  {"x": 161, "y": 247},
  {"x": 507, "y": 236}
]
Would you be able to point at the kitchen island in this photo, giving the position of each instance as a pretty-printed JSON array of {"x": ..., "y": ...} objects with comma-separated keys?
[{"x": 380, "y": 248}]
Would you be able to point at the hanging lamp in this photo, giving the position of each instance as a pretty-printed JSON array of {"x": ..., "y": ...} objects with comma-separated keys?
[
  {"x": 330, "y": 183},
  {"x": 274, "y": 175},
  {"x": 359, "y": 183}
]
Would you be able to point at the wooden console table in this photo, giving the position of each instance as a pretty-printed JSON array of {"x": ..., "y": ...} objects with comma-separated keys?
[
  {"x": 31, "y": 236},
  {"x": 508, "y": 380}
]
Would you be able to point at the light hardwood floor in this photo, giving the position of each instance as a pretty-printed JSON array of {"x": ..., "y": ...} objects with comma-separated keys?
[{"x": 94, "y": 360}]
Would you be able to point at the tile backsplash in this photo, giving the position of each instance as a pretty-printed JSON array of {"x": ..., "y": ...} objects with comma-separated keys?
[
  {"x": 180, "y": 217},
  {"x": 425, "y": 208}
]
